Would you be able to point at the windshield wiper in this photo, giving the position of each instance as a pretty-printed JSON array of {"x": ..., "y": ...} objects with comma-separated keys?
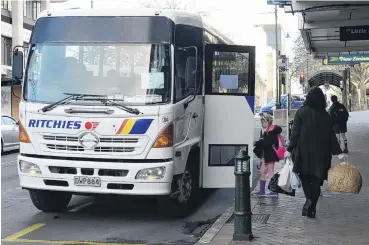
[
  {"x": 101, "y": 98},
  {"x": 123, "y": 107},
  {"x": 66, "y": 100}
]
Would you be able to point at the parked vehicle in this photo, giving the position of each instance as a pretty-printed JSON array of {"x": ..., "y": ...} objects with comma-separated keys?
[
  {"x": 9, "y": 134},
  {"x": 296, "y": 103},
  {"x": 147, "y": 132}
]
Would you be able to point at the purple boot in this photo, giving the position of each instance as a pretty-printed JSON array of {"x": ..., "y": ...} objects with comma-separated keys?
[
  {"x": 272, "y": 194},
  {"x": 261, "y": 191}
]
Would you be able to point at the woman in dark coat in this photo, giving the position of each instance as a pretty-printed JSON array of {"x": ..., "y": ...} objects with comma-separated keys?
[{"x": 312, "y": 144}]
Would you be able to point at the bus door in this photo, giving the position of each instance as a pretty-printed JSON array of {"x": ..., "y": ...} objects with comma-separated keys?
[{"x": 229, "y": 111}]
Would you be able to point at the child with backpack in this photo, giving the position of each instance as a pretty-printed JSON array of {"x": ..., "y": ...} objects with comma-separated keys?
[{"x": 270, "y": 149}]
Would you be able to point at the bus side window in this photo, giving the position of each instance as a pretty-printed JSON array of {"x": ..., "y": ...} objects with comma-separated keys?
[{"x": 187, "y": 36}]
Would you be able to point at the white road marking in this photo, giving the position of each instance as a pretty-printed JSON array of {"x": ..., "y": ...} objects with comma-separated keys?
[
  {"x": 9, "y": 162},
  {"x": 79, "y": 207}
]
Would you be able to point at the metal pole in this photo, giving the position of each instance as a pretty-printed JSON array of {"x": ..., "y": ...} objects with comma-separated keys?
[
  {"x": 288, "y": 82},
  {"x": 307, "y": 72},
  {"x": 242, "y": 208},
  {"x": 350, "y": 88},
  {"x": 92, "y": 4},
  {"x": 277, "y": 58}
]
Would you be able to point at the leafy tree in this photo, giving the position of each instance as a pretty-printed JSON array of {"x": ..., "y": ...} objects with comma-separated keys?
[
  {"x": 164, "y": 4},
  {"x": 360, "y": 81},
  {"x": 305, "y": 63},
  {"x": 170, "y": 4}
]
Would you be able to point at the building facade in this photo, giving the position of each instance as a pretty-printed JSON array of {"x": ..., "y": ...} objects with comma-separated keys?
[
  {"x": 17, "y": 20},
  {"x": 270, "y": 34},
  {"x": 270, "y": 59}
]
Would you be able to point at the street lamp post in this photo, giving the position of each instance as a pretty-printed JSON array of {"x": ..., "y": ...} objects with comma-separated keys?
[
  {"x": 278, "y": 102},
  {"x": 242, "y": 208}
]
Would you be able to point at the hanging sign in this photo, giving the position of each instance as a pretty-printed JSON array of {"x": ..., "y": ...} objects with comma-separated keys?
[
  {"x": 346, "y": 59},
  {"x": 354, "y": 33}
]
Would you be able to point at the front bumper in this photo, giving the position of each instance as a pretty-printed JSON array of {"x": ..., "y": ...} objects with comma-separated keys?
[{"x": 124, "y": 185}]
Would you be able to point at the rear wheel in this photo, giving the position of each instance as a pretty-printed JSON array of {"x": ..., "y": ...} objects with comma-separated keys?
[
  {"x": 181, "y": 200},
  {"x": 2, "y": 147},
  {"x": 50, "y": 201}
]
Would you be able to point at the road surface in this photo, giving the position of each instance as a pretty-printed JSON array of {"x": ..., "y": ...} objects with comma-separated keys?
[{"x": 105, "y": 220}]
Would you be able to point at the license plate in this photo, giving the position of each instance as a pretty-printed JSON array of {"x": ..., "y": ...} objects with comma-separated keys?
[{"x": 87, "y": 181}]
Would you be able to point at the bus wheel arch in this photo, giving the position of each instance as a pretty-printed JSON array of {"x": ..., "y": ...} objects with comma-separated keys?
[
  {"x": 193, "y": 163},
  {"x": 180, "y": 201}
]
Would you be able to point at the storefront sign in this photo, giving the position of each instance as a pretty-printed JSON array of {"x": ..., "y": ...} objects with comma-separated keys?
[
  {"x": 353, "y": 33},
  {"x": 346, "y": 59}
]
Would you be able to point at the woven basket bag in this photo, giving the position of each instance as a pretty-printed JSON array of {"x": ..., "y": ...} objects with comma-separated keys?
[{"x": 344, "y": 177}]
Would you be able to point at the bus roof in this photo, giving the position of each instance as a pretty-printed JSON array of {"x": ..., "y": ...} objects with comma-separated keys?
[{"x": 177, "y": 16}]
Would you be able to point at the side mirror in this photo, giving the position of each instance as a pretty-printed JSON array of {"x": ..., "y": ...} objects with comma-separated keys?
[{"x": 18, "y": 61}]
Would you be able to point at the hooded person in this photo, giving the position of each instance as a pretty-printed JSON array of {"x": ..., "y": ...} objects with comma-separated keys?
[
  {"x": 268, "y": 139},
  {"x": 312, "y": 144},
  {"x": 339, "y": 116}
]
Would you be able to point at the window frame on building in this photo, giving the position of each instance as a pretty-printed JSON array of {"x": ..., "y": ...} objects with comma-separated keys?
[
  {"x": 31, "y": 9},
  {"x": 6, "y": 4},
  {"x": 6, "y": 50}
]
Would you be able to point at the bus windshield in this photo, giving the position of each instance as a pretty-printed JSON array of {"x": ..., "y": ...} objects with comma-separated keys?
[{"x": 130, "y": 73}]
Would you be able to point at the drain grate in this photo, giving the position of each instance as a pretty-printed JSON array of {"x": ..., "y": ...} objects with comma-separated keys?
[{"x": 255, "y": 218}]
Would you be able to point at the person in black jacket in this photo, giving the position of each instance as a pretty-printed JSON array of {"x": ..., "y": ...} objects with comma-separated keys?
[
  {"x": 311, "y": 146},
  {"x": 340, "y": 116},
  {"x": 268, "y": 155}
]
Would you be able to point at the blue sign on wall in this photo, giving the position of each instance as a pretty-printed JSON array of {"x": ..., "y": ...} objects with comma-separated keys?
[{"x": 347, "y": 59}]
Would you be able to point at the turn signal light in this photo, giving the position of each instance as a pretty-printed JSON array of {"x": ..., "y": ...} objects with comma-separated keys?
[
  {"x": 23, "y": 136},
  {"x": 165, "y": 139}
]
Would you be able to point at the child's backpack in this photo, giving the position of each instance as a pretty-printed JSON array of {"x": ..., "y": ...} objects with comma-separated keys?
[
  {"x": 281, "y": 148},
  {"x": 340, "y": 114}
]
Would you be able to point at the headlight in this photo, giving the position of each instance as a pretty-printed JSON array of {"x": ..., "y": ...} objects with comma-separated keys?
[
  {"x": 151, "y": 173},
  {"x": 273, "y": 108},
  {"x": 29, "y": 168}
]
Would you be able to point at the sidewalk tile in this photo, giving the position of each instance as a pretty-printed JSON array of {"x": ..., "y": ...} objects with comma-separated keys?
[{"x": 342, "y": 218}]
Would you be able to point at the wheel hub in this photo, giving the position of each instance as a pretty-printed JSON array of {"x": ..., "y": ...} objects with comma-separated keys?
[{"x": 185, "y": 187}]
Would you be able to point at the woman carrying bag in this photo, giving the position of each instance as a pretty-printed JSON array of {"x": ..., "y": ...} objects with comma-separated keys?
[{"x": 311, "y": 147}]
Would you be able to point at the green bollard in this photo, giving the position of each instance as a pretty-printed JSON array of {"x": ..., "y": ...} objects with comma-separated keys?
[{"x": 242, "y": 208}]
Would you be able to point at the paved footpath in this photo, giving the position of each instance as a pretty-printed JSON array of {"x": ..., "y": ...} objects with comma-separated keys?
[{"x": 341, "y": 218}]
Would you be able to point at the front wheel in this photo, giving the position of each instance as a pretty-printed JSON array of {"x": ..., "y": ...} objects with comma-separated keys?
[
  {"x": 50, "y": 201},
  {"x": 179, "y": 203}
]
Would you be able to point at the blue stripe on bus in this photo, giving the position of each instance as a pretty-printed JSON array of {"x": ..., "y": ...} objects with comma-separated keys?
[{"x": 251, "y": 102}]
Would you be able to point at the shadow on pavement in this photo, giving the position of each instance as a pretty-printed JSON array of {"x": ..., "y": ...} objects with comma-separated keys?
[{"x": 114, "y": 207}]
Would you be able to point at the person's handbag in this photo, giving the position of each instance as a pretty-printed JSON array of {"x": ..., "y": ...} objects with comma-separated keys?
[
  {"x": 273, "y": 186},
  {"x": 258, "y": 151},
  {"x": 344, "y": 177},
  {"x": 296, "y": 182},
  {"x": 281, "y": 148},
  {"x": 285, "y": 176}
]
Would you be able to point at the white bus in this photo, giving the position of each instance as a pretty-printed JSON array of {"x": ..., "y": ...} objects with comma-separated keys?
[{"x": 131, "y": 102}]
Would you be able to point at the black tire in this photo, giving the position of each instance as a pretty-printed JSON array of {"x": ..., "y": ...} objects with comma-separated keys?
[
  {"x": 178, "y": 206},
  {"x": 2, "y": 147},
  {"x": 50, "y": 201}
]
